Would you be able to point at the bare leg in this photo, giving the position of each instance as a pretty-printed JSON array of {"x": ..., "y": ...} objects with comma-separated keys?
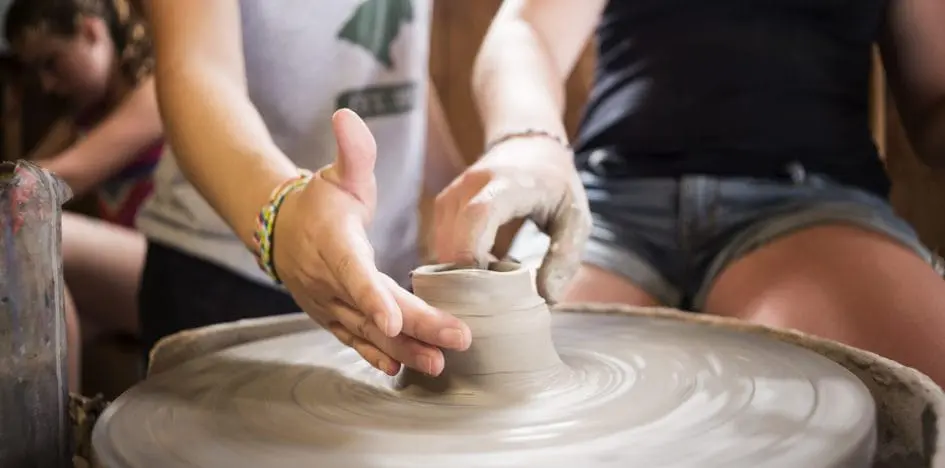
[
  {"x": 845, "y": 284},
  {"x": 594, "y": 284},
  {"x": 73, "y": 345},
  {"x": 103, "y": 265}
]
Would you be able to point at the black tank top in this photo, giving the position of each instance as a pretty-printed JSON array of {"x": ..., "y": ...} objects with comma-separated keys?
[{"x": 734, "y": 88}]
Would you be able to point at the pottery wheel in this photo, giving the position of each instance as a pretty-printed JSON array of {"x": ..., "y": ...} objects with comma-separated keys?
[{"x": 634, "y": 391}]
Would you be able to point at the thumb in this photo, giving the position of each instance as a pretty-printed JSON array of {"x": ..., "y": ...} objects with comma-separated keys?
[
  {"x": 569, "y": 230},
  {"x": 353, "y": 169}
]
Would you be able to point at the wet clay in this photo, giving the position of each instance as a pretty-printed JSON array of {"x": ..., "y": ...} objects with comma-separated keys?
[
  {"x": 610, "y": 390},
  {"x": 512, "y": 354}
]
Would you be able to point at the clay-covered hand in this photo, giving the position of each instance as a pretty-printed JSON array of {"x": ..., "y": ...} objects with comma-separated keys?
[
  {"x": 531, "y": 177},
  {"x": 322, "y": 254}
]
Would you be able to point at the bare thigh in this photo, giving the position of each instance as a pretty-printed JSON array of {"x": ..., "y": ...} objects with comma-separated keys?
[
  {"x": 845, "y": 284},
  {"x": 103, "y": 264},
  {"x": 595, "y": 284}
]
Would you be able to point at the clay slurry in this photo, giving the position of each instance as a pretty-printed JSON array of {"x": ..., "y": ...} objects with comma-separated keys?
[
  {"x": 641, "y": 392},
  {"x": 374, "y": 27},
  {"x": 616, "y": 390}
]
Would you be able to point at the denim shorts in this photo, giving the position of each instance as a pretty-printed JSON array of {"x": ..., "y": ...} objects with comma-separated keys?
[{"x": 672, "y": 237}]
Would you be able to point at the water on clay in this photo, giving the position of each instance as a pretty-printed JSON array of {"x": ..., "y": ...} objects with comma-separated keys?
[
  {"x": 720, "y": 401},
  {"x": 626, "y": 391}
]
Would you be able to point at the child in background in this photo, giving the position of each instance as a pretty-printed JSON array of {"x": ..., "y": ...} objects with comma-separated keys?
[{"x": 96, "y": 54}]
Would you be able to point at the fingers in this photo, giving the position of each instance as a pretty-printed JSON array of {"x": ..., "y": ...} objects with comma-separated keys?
[
  {"x": 327, "y": 315},
  {"x": 475, "y": 218},
  {"x": 446, "y": 209},
  {"x": 569, "y": 228},
  {"x": 443, "y": 218},
  {"x": 479, "y": 220},
  {"x": 315, "y": 311},
  {"x": 428, "y": 324},
  {"x": 353, "y": 268},
  {"x": 353, "y": 169},
  {"x": 366, "y": 350},
  {"x": 468, "y": 216},
  {"x": 380, "y": 350}
]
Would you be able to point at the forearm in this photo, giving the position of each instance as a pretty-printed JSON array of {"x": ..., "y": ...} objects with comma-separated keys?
[
  {"x": 221, "y": 143},
  {"x": 89, "y": 163},
  {"x": 113, "y": 144},
  {"x": 58, "y": 139},
  {"x": 517, "y": 87},
  {"x": 520, "y": 72},
  {"x": 443, "y": 162},
  {"x": 81, "y": 179},
  {"x": 515, "y": 83}
]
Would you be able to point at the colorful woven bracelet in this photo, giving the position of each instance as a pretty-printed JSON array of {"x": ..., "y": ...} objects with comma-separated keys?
[{"x": 266, "y": 221}]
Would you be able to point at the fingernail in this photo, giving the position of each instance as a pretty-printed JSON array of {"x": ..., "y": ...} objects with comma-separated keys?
[
  {"x": 425, "y": 364},
  {"x": 391, "y": 368},
  {"x": 451, "y": 338}
]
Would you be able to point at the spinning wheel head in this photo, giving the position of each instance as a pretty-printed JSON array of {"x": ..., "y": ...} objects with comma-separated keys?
[{"x": 611, "y": 389}]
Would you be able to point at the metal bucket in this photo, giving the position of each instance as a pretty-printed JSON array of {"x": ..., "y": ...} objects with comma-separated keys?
[{"x": 34, "y": 401}]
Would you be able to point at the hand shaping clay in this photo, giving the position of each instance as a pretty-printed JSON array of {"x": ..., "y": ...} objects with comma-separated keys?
[{"x": 610, "y": 390}]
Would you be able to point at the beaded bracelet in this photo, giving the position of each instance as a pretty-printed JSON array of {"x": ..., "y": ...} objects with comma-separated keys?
[
  {"x": 526, "y": 133},
  {"x": 266, "y": 221}
]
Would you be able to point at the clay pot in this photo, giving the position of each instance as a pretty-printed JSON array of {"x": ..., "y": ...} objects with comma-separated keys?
[{"x": 512, "y": 351}]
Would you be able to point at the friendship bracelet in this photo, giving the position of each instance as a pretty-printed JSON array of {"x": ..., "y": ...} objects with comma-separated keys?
[
  {"x": 266, "y": 221},
  {"x": 527, "y": 133}
]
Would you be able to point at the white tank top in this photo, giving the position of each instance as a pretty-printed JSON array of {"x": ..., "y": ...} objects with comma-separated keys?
[{"x": 305, "y": 59}]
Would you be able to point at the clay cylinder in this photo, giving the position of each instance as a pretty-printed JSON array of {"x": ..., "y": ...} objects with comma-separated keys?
[
  {"x": 511, "y": 350},
  {"x": 34, "y": 424}
]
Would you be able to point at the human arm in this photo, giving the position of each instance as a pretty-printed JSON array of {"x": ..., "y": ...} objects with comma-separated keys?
[
  {"x": 525, "y": 59},
  {"x": 519, "y": 88},
  {"x": 112, "y": 144},
  {"x": 443, "y": 160},
  {"x": 220, "y": 141},
  {"x": 913, "y": 51},
  {"x": 57, "y": 139},
  {"x": 320, "y": 248}
]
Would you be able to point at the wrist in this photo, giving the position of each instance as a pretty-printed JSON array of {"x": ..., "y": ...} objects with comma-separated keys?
[
  {"x": 263, "y": 243},
  {"x": 528, "y": 133},
  {"x": 550, "y": 148}
]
